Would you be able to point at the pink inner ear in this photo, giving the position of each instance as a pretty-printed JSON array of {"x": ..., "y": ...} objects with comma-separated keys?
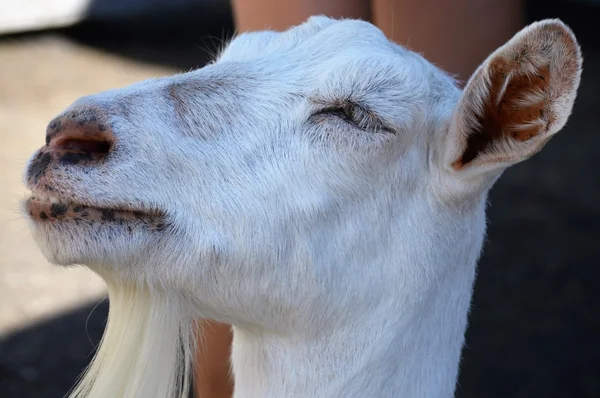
[{"x": 516, "y": 107}]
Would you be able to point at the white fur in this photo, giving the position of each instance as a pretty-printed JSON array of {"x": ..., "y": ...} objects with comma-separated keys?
[
  {"x": 148, "y": 334},
  {"x": 344, "y": 257}
]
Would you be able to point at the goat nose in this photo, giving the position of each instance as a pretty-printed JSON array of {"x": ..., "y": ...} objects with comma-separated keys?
[{"x": 80, "y": 136}]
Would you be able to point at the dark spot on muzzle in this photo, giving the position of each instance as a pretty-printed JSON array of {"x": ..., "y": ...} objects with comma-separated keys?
[
  {"x": 108, "y": 215},
  {"x": 58, "y": 209},
  {"x": 75, "y": 157},
  {"x": 38, "y": 166},
  {"x": 54, "y": 128}
]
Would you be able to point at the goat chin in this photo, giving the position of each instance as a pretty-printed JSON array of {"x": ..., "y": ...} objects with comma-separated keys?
[{"x": 146, "y": 350}]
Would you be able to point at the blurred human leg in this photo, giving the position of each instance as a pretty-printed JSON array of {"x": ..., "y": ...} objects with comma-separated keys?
[
  {"x": 212, "y": 376},
  {"x": 456, "y": 35},
  {"x": 279, "y": 15}
]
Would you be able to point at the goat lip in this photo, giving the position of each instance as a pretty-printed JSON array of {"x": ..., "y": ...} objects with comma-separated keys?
[{"x": 44, "y": 208}]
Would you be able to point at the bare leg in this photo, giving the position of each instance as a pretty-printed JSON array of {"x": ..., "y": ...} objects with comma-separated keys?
[
  {"x": 212, "y": 376},
  {"x": 456, "y": 35},
  {"x": 279, "y": 15}
]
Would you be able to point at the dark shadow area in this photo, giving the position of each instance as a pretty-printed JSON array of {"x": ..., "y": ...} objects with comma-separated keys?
[
  {"x": 44, "y": 361},
  {"x": 185, "y": 38},
  {"x": 535, "y": 322}
]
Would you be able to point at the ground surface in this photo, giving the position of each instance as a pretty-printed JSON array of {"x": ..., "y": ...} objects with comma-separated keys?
[{"x": 535, "y": 324}]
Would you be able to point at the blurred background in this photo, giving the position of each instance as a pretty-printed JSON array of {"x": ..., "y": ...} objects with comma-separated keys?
[{"x": 535, "y": 322}]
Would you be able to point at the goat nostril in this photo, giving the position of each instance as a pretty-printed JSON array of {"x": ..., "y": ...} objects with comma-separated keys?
[
  {"x": 93, "y": 146},
  {"x": 81, "y": 135}
]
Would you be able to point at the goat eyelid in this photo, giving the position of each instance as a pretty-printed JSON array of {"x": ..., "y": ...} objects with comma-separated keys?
[{"x": 354, "y": 114}]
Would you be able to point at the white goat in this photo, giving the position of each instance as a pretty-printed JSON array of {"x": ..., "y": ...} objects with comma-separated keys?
[{"x": 322, "y": 190}]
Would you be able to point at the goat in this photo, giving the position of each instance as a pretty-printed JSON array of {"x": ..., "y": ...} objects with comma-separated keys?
[{"x": 322, "y": 190}]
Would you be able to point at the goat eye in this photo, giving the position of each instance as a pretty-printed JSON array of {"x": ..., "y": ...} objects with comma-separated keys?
[
  {"x": 349, "y": 114},
  {"x": 355, "y": 115}
]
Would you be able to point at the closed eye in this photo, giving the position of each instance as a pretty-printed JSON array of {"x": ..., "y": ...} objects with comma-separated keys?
[{"x": 354, "y": 114}]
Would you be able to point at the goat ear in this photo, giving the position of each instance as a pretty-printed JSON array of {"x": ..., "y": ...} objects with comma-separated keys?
[{"x": 516, "y": 100}]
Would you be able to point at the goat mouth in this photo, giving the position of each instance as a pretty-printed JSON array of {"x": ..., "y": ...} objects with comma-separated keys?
[{"x": 47, "y": 209}]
